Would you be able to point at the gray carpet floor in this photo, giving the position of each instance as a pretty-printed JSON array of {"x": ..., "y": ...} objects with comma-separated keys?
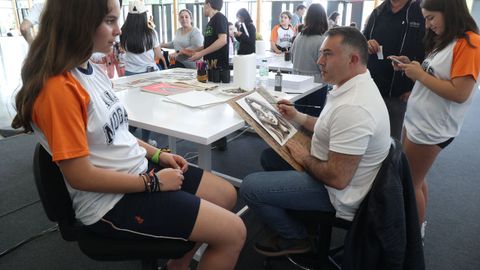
[{"x": 452, "y": 240}]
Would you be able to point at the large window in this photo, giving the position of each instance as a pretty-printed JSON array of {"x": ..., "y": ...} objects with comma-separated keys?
[
  {"x": 162, "y": 10},
  {"x": 368, "y": 7},
  {"x": 7, "y": 17},
  {"x": 11, "y": 16}
]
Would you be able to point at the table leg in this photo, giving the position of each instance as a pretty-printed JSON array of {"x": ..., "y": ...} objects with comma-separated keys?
[
  {"x": 205, "y": 157},
  {"x": 172, "y": 144}
]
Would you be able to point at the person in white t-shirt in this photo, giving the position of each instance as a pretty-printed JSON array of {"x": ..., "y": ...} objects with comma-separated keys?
[
  {"x": 73, "y": 111},
  {"x": 141, "y": 46},
  {"x": 351, "y": 138},
  {"x": 444, "y": 87},
  {"x": 282, "y": 34},
  {"x": 333, "y": 19},
  {"x": 32, "y": 19},
  {"x": 140, "y": 41}
]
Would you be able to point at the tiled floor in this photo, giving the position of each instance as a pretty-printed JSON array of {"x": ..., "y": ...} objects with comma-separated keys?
[{"x": 12, "y": 53}]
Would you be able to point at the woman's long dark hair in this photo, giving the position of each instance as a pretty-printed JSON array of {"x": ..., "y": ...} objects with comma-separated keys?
[
  {"x": 64, "y": 41},
  {"x": 333, "y": 16},
  {"x": 243, "y": 13},
  {"x": 316, "y": 21},
  {"x": 457, "y": 22},
  {"x": 136, "y": 34}
]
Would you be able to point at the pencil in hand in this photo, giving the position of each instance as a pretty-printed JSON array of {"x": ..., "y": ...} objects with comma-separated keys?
[{"x": 298, "y": 105}]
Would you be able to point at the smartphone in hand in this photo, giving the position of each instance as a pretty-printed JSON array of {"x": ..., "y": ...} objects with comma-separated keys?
[{"x": 396, "y": 60}]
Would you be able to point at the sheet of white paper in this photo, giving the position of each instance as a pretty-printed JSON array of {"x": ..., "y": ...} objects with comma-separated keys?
[
  {"x": 195, "y": 99},
  {"x": 380, "y": 52},
  {"x": 245, "y": 30}
]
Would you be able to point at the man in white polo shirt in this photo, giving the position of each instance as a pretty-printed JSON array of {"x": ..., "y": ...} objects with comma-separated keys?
[{"x": 351, "y": 138}]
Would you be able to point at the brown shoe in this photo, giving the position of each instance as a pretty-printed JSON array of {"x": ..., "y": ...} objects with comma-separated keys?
[{"x": 279, "y": 246}]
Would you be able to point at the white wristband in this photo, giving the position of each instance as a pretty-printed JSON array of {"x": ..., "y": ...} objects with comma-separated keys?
[{"x": 300, "y": 118}]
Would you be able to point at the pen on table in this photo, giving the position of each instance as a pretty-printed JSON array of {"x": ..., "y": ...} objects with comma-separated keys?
[{"x": 299, "y": 105}]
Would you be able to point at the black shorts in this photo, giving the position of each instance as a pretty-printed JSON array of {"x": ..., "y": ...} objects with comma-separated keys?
[
  {"x": 445, "y": 143},
  {"x": 169, "y": 214}
]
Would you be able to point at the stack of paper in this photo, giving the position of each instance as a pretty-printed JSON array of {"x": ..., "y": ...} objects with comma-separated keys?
[
  {"x": 197, "y": 85},
  {"x": 290, "y": 80}
]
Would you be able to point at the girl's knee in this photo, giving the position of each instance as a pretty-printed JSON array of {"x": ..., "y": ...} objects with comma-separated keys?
[
  {"x": 239, "y": 232},
  {"x": 233, "y": 235},
  {"x": 218, "y": 227},
  {"x": 228, "y": 194},
  {"x": 218, "y": 191},
  {"x": 228, "y": 197}
]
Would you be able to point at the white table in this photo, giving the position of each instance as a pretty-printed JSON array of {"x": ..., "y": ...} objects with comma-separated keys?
[{"x": 201, "y": 126}]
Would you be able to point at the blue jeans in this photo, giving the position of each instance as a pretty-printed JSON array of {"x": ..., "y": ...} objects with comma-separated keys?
[
  {"x": 271, "y": 161},
  {"x": 269, "y": 194}
]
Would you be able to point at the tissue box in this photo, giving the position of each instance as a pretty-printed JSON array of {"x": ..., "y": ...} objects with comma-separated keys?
[{"x": 290, "y": 80}]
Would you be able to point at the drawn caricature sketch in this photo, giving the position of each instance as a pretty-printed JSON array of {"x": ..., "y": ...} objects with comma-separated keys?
[{"x": 277, "y": 126}]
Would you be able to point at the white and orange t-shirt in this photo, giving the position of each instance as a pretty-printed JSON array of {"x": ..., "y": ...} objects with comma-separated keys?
[
  {"x": 281, "y": 36},
  {"x": 77, "y": 114},
  {"x": 431, "y": 119}
]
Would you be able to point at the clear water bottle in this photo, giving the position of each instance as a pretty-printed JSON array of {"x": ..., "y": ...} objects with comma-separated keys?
[{"x": 263, "y": 72}]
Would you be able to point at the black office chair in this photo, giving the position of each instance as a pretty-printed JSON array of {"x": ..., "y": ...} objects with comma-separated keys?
[
  {"x": 320, "y": 225},
  {"x": 58, "y": 207},
  {"x": 393, "y": 181}
]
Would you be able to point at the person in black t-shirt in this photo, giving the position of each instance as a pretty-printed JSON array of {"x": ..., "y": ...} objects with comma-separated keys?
[
  {"x": 246, "y": 33},
  {"x": 398, "y": 27},
  {"x": 215, "y": 44}
]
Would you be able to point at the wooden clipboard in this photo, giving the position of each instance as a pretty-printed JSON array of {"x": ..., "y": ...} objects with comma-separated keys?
[{"x": 301, "y": 136}]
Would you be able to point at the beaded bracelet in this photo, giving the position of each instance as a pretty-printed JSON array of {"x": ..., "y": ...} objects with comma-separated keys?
[
  {"x": 151, "y": 181},
  {"x": 146, "y": 182},
  {"x": 154, "y": 181}
]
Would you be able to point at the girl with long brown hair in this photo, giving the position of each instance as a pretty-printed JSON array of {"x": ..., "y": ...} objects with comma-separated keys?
[
  {"x": 443, "y": 90},
  {"x": 73, "y": 111}
]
